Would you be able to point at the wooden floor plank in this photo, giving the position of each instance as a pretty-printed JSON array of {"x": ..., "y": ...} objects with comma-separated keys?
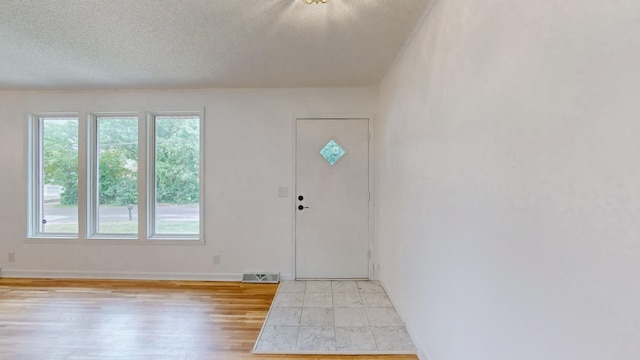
[{"x": 135, "y": 320}]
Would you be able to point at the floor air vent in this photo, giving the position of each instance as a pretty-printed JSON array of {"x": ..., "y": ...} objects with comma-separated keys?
[{"x": 261, "y": 278}]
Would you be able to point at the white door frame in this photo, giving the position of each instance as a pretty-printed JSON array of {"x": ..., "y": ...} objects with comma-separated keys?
[{"x": 372, "y": 252}]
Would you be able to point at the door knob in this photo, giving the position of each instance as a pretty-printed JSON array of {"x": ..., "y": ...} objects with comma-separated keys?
[
  {"x": 300, "y": 197},
  {"x": 300, "y": 207}
]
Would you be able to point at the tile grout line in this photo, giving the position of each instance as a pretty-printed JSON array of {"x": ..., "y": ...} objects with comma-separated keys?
[
  {"x": 304, "y": 295},
  {"x": 333, "y": 307},
  {"x": 366, "y": 314}
]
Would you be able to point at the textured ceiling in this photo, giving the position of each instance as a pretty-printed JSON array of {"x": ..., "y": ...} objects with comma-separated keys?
[{"x": 109, "y": 44}]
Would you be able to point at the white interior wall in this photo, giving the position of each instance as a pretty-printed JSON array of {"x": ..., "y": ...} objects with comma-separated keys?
[
  {"x": 248, "y": 156},
  {"x": 507, "y": 181}
]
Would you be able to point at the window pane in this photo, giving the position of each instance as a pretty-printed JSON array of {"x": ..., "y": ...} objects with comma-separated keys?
[
  {"x": 58, "y": 168},
  {"x": 177, "y": 170},
  {"x": 117, "y": 175},
  {"x": 332, "y": 152}
]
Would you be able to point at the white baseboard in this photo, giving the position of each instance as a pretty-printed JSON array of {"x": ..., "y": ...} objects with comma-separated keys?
[
  {"x": 421, "y": 355},
  {"x": 287, "y": 277},
  {"x": 419, "y": 350},
  {"x": 63, "y": 274}
]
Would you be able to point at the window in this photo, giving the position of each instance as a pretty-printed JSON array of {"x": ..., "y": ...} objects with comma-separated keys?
[
  {"x": 140, "y": 178},
  {"x": 54, "y": 176},
  {"x": 175, "y": 187},
  {"x": 115, "y": 188}
]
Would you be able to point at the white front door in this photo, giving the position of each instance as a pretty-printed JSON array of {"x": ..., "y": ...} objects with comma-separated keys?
[{"x": 332, "y": 198}]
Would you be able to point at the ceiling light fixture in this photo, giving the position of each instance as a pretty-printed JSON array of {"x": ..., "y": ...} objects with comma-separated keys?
[{"x": 315, "y": 1}]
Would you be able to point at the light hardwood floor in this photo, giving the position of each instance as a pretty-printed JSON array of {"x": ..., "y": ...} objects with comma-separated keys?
[{"x": 135, "y": 320}]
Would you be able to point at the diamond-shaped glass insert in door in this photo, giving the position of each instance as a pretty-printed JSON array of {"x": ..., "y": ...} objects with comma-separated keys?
[{"x": 332, "y": 152}]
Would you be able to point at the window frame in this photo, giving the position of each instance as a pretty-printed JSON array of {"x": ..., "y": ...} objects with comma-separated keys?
[
  {"x": 88, "y": 201},
  {"x": 150, "y": 185},
  {"x": 35, "y": 176},
  {"x": 93, "y": 176}
]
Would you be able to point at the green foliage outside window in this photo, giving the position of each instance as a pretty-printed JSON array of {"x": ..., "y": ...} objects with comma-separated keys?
[
  {"x": 177, "y": 160},
  {"x": 118, "y": 161},
  {"x": 60, "y": 155}
]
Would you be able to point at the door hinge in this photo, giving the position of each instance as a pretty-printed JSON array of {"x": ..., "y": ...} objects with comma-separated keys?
[{"x": 369, "y": 254}]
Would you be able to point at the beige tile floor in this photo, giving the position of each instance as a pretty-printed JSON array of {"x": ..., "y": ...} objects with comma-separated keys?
[{"x": 333, "y": 317}]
